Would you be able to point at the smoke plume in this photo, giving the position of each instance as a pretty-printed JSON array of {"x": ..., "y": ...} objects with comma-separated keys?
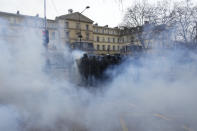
[{"x": 153, "y": 92}]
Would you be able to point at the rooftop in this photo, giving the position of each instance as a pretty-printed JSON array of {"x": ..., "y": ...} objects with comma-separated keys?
[{"x": 76, "y": 16}]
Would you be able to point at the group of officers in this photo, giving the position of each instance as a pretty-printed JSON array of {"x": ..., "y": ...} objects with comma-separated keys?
[{"x": 92, "y": 67}]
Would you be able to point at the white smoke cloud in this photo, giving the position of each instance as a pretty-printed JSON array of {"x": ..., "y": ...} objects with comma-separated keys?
[
  {"x": 154, "y": 92},
  {"x": 9, "y": 119}
]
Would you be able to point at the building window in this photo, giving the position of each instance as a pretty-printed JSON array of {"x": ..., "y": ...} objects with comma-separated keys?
[
  {"x": 113, "y": 40},
  {"x": 12, "y": 20},
  {"x": 103, "y": 47},
  {"x": 67, "y": 34},
  {"x": 87, "y": 36},
  {"x": 118, "y": 47},
  {"x": 114, "y": 48},
  {"x": 120, "y": 40},
  {"x": 78, "y": 25},
  {"x": 132, "y": 39},
  {"x": 66, "y": 25},
  {"x": 97, "y": 38},
  {"x": 4, "y": 31},
  {"x": 108, "y": 47},
  {"x": 108, "y": 39},
  {"x": 87, "y": 27},
  {"x": 53, "y": 35},
  {"x": 100, "y": 31},
  {"x": 103, "y": 31},
  {"x": 98, "y": 47},
  {"x": 103, "y": 39}
]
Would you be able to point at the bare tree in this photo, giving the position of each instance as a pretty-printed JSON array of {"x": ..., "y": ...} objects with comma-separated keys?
[
  {"x": 143, "y": 11},
  {"x": 135, "y": 18},
  {"x": 180, "y": 17},
  {"x": 185, "y": 14},
  {"x": 136, "y": 15},
  {"x": 164, "y": 13}
]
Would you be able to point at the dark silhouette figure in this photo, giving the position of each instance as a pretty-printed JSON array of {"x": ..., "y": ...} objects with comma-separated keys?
[{"x": 92, "y": 68}]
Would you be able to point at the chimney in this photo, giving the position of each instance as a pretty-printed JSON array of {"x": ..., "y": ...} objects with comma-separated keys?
[
  {"x": 106, "y": 26},
  {"x": 18, "y": 12},
  {"x": 70, "y": 11}
]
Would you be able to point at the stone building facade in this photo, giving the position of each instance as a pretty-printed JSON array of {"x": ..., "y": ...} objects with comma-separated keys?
[{"x": 73, "y": 29}]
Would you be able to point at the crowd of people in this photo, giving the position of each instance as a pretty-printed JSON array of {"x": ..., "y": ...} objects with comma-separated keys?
[{"x": 92, "y": 67}]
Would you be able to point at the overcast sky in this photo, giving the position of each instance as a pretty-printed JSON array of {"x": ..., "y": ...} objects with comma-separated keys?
[{"x": 101, "y": 11}]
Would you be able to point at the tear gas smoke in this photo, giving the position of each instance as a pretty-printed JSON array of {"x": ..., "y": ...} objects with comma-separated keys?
[{"x": 154, "y": 92}]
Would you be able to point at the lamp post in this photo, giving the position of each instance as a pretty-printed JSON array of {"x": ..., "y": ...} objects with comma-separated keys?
[
  {"x": 45, "y": 31},
  {"x": 45, "y": 36},
  {"x": 45, "y": 18},
  {"x": 80, "y": 35},
  {"x": 196, "y": 33}
]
